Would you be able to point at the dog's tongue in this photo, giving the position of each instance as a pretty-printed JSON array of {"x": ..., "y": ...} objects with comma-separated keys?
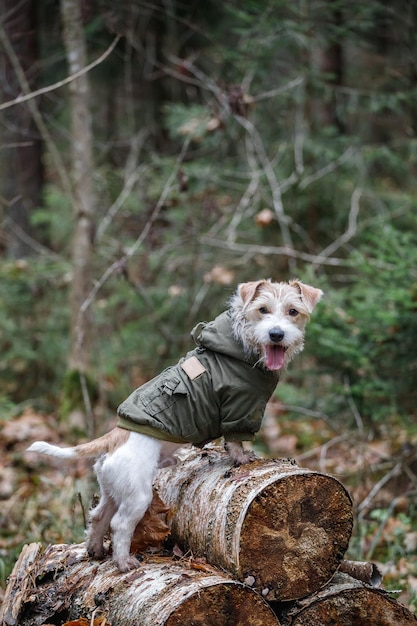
[{"x": 274, "y": 357}]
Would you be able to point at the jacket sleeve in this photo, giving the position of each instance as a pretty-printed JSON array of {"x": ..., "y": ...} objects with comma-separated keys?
[{"x": 241, "y": 414}]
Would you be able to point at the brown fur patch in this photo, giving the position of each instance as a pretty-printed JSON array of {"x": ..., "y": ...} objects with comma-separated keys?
[{"x": 107, "y": 443}]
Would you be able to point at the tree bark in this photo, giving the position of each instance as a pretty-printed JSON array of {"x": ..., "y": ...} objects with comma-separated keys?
[
  {"x": 346, "y": 602},
  {"x": 83, "y": 186},
  {"x": 64, "y": 583},
  {"x": 364, "y": 571},
  {"x": 21, "y": 169},
  {"x": 281, "y": 529}
]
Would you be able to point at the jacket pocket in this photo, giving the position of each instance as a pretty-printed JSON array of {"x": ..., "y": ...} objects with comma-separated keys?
[{"x": 162, "y": 396}]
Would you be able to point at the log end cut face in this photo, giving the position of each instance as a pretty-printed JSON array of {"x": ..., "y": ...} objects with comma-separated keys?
[
  {"x": 358, "y": 606},
  {"x": 223, "y": 605},
  {"x": 295, "y": 534}
]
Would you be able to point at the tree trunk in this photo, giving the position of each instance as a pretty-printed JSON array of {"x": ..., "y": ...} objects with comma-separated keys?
[
  {"x": 83, "y": 187},
  {"x": 63, "y": 583},
  {"x": 281, "y": 529},
  {"x": 346, "y": 602},
  {"x": 21, "y": 170}
]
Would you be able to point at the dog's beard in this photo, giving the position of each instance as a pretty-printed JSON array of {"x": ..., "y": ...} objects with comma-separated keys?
[{"x": 273, "y": 357}]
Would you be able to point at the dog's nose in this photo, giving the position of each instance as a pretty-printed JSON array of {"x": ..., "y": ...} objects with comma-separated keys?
[{"x": 276, "y": 335}]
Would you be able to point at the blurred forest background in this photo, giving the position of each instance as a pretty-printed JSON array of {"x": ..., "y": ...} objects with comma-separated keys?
[{"x": 155, "y": 153}]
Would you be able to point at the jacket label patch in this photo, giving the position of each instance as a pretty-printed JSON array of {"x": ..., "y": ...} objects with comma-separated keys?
[{"x": 193, "y": 368}]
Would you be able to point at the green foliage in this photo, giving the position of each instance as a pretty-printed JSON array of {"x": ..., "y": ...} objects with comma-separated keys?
[
  {"x": 75, "y": 387},
  {"x": 54, "y": 218},
  {"x": 33, "y": 329},
  {"x": 367, "y": 332}
]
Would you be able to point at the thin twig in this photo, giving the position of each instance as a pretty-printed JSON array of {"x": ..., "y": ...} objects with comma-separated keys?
[
  {"x": 259, "y": 148},
  {"x": 133, "y": 172},
  {"x": 134, "y": 247},
  {"x": 274, "y": 250},
  {"x": 33, "y": 107},
  {"x": 381, "y": 527},
  {"x": 366, "y": 502},
  {"x": 353, "y": 407},
  {"x": 352, "y": 227},
  {"x": 241, "y": 208},
  {"x": 272, "y": 180},
  {"x": 38, "y": 92},
  {"x": 330, "y": 167},
  {"x": 325, "y": 447},
  {"x": 278, "y": 90},
  {"x": 299, "y": 132}
]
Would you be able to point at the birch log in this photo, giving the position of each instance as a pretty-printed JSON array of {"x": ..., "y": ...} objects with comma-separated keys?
[
  {"x": 63, "y": 584},
  {"x": 278, "y": 528},
  {"x": 346, "y": 602}
]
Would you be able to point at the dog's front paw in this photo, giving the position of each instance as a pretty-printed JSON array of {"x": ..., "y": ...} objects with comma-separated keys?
[
  {"x": 244, "y": 457},
  {"x": 96, "y": 550},
  {"x": 238, "y": 455},
  {"x": 125, "y": 564}
]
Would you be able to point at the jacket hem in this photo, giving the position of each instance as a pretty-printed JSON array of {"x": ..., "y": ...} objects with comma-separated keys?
[
  {"x": 149, "y": 431},
  {"x": 239, "y": 437}
]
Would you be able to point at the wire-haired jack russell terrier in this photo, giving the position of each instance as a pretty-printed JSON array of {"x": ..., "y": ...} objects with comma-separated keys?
[{"x": 219, "y": 389}]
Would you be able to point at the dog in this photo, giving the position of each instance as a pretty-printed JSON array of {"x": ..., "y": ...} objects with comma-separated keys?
[{"x": 219, "y": 389}]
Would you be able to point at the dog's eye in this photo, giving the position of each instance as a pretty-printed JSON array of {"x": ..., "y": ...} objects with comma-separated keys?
[
  {"x": 293, "y": 312},
  {"x": 263, "y": 310}
]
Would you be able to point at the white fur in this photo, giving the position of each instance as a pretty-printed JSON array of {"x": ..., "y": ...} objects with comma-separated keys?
[
  {"x": 46, "y": 448},
  {"x": 125, "y": 478}
]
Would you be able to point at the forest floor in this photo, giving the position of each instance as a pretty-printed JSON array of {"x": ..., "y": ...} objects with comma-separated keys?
[{"x": 48, "y": 501}]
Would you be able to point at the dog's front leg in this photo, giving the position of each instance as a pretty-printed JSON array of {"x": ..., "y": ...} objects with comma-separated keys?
[{"x": 238, "y": 455}]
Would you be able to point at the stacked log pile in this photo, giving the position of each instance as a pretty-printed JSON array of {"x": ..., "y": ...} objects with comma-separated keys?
[
  {"x": 278, "y": 528},
  {"x": 256, "y": 545}
]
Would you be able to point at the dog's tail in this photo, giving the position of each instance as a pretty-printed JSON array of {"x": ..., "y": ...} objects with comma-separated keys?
[{"x": 92, "y": 449}]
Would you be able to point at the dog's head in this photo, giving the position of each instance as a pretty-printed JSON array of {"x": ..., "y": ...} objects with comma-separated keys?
[{"x": 269, "y": 319}]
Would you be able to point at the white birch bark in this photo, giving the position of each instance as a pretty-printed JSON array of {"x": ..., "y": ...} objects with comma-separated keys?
[{"x": 84, "y": 196}]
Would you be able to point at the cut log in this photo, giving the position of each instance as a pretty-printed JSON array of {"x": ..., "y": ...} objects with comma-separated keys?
[
  {"x": 278, "y": 528},
  {"x": 64, "y": 584},
  {"x": 346, "y": 602},
  {"x": 365, "y": 571},
  {"x": 19, "y": 585}
]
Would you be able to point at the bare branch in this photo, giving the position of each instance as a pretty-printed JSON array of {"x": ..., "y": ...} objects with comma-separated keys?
[
  {"x": 352, "y": 228},
  {"x": 43, "y": 130},
  {"x": 330, "y": 167},
  {"x": 367, "y": 502},
  {"x": 259, "y": 149},
  {"x": 132, "y": 175},
  {"x": 276, "y": 92},
  {"x": 272, "y": 180},
  {"x": 274, "y": 250},
  {"x": 241, "y": 208},
  {"x": 299, "y": 131},
  {"x": 352, "y": 406},
  {"x": 134, "y": 247},
  {"x": 29, "y": 95}
]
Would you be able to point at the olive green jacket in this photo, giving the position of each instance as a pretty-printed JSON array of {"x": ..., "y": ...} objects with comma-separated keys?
[{"x": 216, "y": 390}]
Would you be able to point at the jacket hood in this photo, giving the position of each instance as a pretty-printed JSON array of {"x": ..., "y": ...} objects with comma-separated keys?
[{"x": 218, "y": 337}]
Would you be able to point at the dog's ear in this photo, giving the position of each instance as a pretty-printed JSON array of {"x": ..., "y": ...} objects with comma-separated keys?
[
  {"x": 248, "y": 291},
  {"x": 310, "y": 295}
]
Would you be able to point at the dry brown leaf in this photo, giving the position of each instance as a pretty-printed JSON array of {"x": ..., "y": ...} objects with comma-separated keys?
[
  {"x": 264, "y": 217},
  {"x": 152, "y": 529},
  {"x": 83, "y": 621}
]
